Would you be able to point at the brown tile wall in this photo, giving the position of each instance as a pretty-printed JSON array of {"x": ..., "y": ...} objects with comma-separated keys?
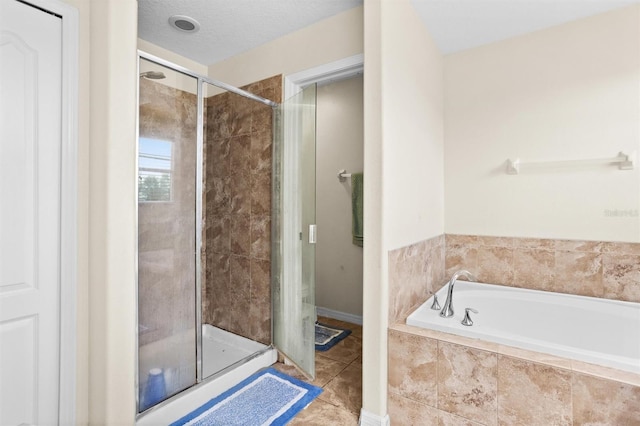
[
  {"x": 414, "y": 272},
  {"x": 436, "y": 382},
  {"x": 237, "y": 215},
  {"x": 166, "y": 240},
  {"x": 588, "y": 268}
]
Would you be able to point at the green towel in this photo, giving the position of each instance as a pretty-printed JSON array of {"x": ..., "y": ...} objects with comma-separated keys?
[{"x": 357, "y": 207}]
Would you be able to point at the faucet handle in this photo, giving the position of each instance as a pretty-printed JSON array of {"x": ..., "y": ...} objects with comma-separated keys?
[
  {"x": 467, "y": 319},
  {"x": 435, "y": 305}
]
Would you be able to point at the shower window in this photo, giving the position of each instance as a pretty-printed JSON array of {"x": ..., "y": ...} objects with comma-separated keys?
[{"x": 154, "y": 170}]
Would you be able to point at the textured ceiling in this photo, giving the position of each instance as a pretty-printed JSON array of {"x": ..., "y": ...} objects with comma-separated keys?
[
  {"x": 457, "y": 25},
  {"x": 230, "y": 27}
]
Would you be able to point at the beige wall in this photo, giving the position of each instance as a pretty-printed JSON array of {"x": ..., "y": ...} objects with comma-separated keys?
[
  {"x": 327, "y": 41},
  {"x": 412, "y": 88},
  {"x": 339, "y": 145},
  {"x": 82, "y": 301},
  {"x": 112, "y": 211},
  {"x": 570, "y": 92},
  {"x": 375, "y": 292},
  {"x": 105, "y": 301},
  {"x": 403, "y": 157}
]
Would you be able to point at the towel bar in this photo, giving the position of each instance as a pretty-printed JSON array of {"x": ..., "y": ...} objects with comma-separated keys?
[
  {"x": 343, "y": 175},
  {"x": 622, "y": 160}
]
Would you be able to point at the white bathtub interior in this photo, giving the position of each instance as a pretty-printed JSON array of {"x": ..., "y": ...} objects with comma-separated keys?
[
  {"x": 600, "y": 331},
  {"x": 220, "y": 350}
]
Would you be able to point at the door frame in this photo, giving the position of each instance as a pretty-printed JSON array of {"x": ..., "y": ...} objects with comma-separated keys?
[
  {"x": 68, "y": 206},
  {"x": 323, "y": 74},
  {"x": 293, "y": 84},
  {"x": 291, "y": 213}
]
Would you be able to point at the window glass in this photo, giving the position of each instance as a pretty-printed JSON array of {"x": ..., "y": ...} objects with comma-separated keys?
[{"x": 154, "y": 170}]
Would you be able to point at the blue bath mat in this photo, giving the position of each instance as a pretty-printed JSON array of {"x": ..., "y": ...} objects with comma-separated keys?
[
  {"x": 269, "y": 397},
  {"x": 328, "y": 335}
]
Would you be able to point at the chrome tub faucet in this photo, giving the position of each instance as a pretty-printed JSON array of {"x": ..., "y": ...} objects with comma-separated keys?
[{"x": 447, "y": 310}]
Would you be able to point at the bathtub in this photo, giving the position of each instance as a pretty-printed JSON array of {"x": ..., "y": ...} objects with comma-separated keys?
[{"x": 599, "y": 331}]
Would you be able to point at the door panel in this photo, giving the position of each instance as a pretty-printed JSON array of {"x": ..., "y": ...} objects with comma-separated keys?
[
  {"x": 30, "y": 150},
  {"x": 294, "y": 283}
]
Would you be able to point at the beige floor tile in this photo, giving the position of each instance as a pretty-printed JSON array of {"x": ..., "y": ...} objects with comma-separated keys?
[
  {"x": 346, "y": 351},
  {"x": 321, "y": 413},
  {"x": 290, "y": 370},
  {"x": 327, "y": 369},
  {"x": 339, "y": 373},
  {"x": 345, "y": 390}
]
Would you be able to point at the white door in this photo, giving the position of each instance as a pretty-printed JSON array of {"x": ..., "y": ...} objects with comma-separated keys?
[{"x": 30, "y": 150}]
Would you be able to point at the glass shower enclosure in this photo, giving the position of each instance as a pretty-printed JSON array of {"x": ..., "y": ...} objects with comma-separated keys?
[
  {"x": 167, "y": 158},
  {"x": 225, "y": 232},
  {"x": 190, "y": 278}
]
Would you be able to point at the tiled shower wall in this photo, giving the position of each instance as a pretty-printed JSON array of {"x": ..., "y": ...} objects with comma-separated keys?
[{"x": 236, "y": 292}]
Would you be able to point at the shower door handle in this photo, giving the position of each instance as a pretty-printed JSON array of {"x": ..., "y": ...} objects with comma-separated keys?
[{"x": 312, "y": 234}]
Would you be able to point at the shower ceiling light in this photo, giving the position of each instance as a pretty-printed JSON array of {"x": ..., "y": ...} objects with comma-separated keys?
[{"x": 184, "y": 23}]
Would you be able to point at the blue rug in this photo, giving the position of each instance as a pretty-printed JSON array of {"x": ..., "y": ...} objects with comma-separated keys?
[
  {"x": 328, "y": 335},
  {"x": 269, "y": 397}
]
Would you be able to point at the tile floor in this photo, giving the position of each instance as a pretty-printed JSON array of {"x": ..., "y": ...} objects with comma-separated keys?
[{"x": 339, "y": 374}]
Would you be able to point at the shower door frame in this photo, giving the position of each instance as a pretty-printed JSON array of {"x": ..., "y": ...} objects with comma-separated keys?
[{"x": 201, "y": 80}]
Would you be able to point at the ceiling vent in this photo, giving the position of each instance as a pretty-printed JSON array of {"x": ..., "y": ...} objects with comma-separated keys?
[{"x": 184, "y": 23}]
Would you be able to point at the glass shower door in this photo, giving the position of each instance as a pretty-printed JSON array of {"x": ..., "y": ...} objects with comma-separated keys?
[
  {"x": 167, "y": 163},
  {"x": 294, "y": 283}
]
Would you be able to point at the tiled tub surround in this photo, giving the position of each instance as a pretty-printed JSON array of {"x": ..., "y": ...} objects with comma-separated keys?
[
  {"x": 587, "y": 268},
  {"x": 237, "y": 215},
  {"x": 438, "y": 378},
  {"x": 415, "y": 271},
  {"x": 443, "y": 379}
]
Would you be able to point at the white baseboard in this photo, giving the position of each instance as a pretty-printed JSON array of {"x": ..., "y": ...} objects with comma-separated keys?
[
  {"x": 370, "y": 419},
  {"x": 342, "y": 316}
]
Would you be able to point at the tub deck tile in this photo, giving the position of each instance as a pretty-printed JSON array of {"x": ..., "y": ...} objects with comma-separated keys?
[
  {"x": 448, "y": 419},
  {"x": 447, "y": 337},
  {"x": 531, "y": 394},
  {"x": 608, "y": 373},
  {"x": 407, "y": 412},
  {"x": 413, "y": 367},
  {"x": 600, "y": 402},
  {"x": 468, "y": 382}
]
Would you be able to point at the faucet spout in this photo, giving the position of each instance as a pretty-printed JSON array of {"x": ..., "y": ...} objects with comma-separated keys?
[{"x": 447, "y": 309}]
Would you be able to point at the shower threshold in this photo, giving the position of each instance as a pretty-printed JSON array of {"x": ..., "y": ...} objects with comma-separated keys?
[
  {"x": 228, "y": 359},
  {"x": 221, "y": 349}
]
